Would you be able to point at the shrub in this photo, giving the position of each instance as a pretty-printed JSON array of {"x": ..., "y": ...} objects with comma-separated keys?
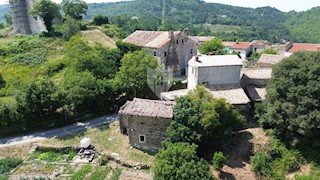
[
  {"x": 35, "y": 57},
  {"x": 261, "y": 163},
  {"x": 6, "y": 165},
  {"x": 82, "y": 173},
  {"x": 218, "y": 160},
  {"x": 276, "y": 161}
]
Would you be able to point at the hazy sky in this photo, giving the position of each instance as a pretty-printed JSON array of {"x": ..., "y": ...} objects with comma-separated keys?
[{"x": 283, "y": 5}]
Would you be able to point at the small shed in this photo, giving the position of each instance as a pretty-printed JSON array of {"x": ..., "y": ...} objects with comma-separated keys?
[{"x": 146, "y": 122}]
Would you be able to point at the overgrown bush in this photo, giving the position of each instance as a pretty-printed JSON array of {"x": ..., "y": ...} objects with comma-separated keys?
[
  {"x": 82, "y": 173},
  {"x": 7, "y": 164},
  {"x": 35, "y": 57},
  {"x": 276, "y": 161},
  {"x": 218, "y": 160}
]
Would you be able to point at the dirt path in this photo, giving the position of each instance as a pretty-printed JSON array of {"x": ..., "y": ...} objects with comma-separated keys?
[
  {"x": 247, "y": 142},
  {"x": 59, "y": 132}
]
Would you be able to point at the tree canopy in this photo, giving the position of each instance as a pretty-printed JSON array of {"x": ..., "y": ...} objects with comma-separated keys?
[
  {"x": 199, "y": 118},
  {"x": 180, "y": 161},
  {"x": 214, "y": 46},
  {"x": 74, "y": 8},
  {"x": 132, "y": 75},
  {"x": 292, "y": 100},
  {"x": 47, "y": 10}
]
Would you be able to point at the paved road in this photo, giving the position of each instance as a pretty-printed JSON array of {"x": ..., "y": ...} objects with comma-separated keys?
[{"x": 59, "y": 132}]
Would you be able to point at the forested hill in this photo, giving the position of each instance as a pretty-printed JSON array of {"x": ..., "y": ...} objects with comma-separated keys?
[
  {"x": 225, "y": 21},
  {"x": 247, "y": 23}
]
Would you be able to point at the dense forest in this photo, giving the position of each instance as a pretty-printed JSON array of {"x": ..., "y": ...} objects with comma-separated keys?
[{"x": 260, "y": 23}]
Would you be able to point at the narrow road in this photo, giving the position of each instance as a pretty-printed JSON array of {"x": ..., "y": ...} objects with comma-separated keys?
[{"x": 59, "y": 132}]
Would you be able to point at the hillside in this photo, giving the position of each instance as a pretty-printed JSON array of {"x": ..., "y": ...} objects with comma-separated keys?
[
  {"x": 225, "y": 21},
  {"x": 260, "y": 23}
]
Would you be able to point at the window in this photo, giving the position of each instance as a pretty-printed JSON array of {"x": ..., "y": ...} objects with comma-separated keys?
[
  {"x": 154, "y": 53},
  {"x": 142, "y": 139},
  {"x": 165, "y": 54},
  {"x": 191, "y": 51},
  {"x": 177, "y": 41},
  {"x": 182, "y": 41}
]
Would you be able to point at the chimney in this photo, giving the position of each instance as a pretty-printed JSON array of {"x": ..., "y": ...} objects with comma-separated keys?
[
  {"x": 197, "y": 58},
  {"x": 171, "y": 34},
  {"x": 237, "y": 41}
]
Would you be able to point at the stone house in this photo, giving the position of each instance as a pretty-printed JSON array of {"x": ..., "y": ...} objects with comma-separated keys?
[
  {"x": 259, "y": 45},
  {"x": 145, "y": 122},
  {"x": 254, "y": 82},
  {"x": 171, "y": 49}
]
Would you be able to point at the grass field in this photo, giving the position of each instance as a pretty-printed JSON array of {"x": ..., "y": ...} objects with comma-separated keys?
[
  {"x": 95, "y": 36},
  {"x": 220, "y": 28},
  {"x": 107, "y": 140}
]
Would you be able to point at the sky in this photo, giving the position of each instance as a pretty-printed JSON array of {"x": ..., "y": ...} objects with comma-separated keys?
[{"x": 283, "y": 5}]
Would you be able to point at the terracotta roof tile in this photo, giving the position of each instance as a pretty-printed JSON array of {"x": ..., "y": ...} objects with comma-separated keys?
[
  {"x": 240, "y": 45},
  {"x": 153, "y": 39},
  {"x": 304, "y": 47}
]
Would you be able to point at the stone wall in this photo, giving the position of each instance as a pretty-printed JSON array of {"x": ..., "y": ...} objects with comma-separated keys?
[
  {"x": 23, "y": 21},
  {"x": 152, "y": 128}
]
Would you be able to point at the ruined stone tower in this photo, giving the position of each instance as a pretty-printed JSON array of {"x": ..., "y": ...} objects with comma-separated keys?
[{"x": 23, "y": 21}]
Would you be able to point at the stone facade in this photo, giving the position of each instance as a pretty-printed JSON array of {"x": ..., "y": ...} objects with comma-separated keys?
[
  {"x": 171, "y": 49},
  {"x": 23, "y": 21},
  {"x": 146, "y": 122}
]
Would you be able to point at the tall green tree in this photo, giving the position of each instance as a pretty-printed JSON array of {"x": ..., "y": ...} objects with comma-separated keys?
[
  {"x": 293, "y": 104},
  {"x": 81, "y": 56},
  {"x": 180, "y": 161},
  {"x": 71, "y": 27},
  {"x": 74, "y": 8},
  {"x": 214, "y": 46},
  {"x": 38, "y": 103},
  {"x": 199, "y": 118},
  {"x": 132, "y": 76},
  {"x": 47, "y": 10}
]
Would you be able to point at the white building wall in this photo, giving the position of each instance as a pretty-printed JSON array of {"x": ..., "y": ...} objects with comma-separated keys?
[
  {"x": 243, "y": 53},
  {"x": 192, "y": 77},
  {"x": 218, "y": 75}
]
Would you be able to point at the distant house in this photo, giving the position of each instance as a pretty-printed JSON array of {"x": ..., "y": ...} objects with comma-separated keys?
[
  {"x": 268, "y": 60},
  {"x": 172, "y": 49},
  {"x": 243, "y": 48},
  {"x": 145, "y": 122},
  {"x": 259, "y": 45},
  {"x": 302, "y": 47}
]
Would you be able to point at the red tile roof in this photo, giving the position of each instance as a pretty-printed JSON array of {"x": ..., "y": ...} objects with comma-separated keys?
[
  {"x": 304, "y": 47},
  {"x": 153, "y": 39},
  {"x": 241, "y": 45}
]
